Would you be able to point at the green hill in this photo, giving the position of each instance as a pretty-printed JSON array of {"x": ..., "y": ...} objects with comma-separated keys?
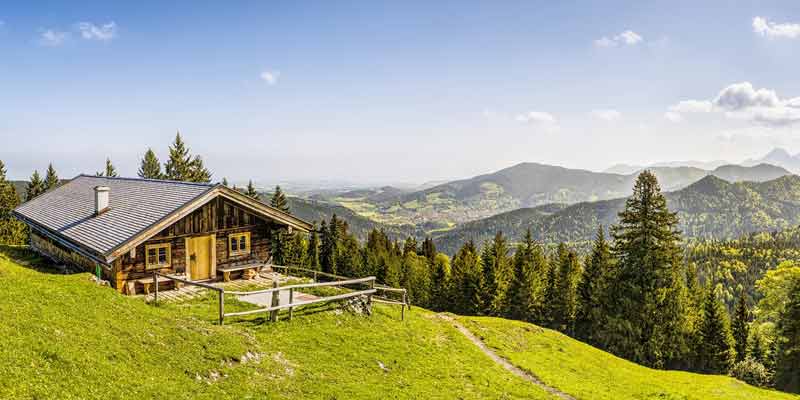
[
  {"x": 709, "y": 208},
  {"x": 65, "y": 337}
]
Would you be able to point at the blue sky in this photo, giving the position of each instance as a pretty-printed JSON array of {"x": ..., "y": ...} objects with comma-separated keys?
[{"x": 395, "y": 91}]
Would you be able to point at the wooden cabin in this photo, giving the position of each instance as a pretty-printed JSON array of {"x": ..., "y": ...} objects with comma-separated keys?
[{"x": 124, "y": 229}]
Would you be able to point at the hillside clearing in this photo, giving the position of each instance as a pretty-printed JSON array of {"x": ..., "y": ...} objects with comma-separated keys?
[
  {"x": 69, "y": 338},
  {"x": 588, "y": 373}
]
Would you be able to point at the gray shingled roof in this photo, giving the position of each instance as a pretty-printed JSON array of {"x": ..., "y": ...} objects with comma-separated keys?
[{"x": 134, "y": 204}]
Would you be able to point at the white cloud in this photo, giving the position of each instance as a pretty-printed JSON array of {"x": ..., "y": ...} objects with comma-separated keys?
[
  {"x": 692, "y": 106},
  {"x": 771, "y": 29},
  {"x": 52, "y": 37},
  {"x": 90, "y": 31},
  {"x": 744, "y": 102},
  {"x": 541, "y": 119},
  {"x": 270, "y": 77},
  {"x": 672, "y": 116},
  {"x": 627, "y": 37},
  {"x": 606, "y": 115}
]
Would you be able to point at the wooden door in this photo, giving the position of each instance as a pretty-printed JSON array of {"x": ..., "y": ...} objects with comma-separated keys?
[{"x": 200, "y": 254}]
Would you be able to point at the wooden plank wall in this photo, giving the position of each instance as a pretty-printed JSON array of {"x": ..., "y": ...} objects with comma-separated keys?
[{"x": 218, "y": 216}]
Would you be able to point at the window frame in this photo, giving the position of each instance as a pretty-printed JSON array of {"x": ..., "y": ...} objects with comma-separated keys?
[
  {"x": 237, "y": 238},
  {"x": 156, "y": 247}
]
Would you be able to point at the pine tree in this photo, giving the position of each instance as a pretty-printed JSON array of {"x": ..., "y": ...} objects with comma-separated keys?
[
  {"x": 519, "y": 297},
  {"x": 181, "y": 166},
  {"x": 550, "y": 309},
  {"x": 440, "y": 282},
  {"x": 787, "y": 369},
  {"x": 563, "y": 306},
  {"x": 50, "y": 178},
  {"x": 647, "y": 322},
  {"x": 429, "y": 250},
  {"x": 279, "y": 200},
  {"x": 312, "y": 253},
  {"x": 467, "y": 278},
  {"x": 592, "y": 291},
  {"x": 251, "y": 190},
  {"x": 35, "y": 186},
  {"x": 330, "y": 243},
  {"x": 739, "y": 325},
  {"x": 716, "y": 353},
  {"x": 496, "y": 274},
  {"x": 150, "y": 167},
  {"x": 12, "y": 231},
  {"x": 410, "y": 245},
  {"x": 110, "y": 171}
]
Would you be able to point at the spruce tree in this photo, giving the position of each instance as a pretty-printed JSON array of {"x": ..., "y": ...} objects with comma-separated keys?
[
  {"x": 35, "y": 186},
  {"x": 592, "y": 291},
  {"x": 496, "y": 274},
  {"x": 647, "y": 322},
  {"x": 279, "y": 200},
  {"x": 251, "y": 190},
  {"x": 550, "y": 308},
  {"x": 716, "y": 352},
  {"x": 519, "y": 297},
  {"x": 429, "y": 250},
  {"x": 12, "y": 231},
  {"x": 50, "y": 178},
  {"x": 181, "y": 166},
  {"x": 467, "y": 281},
  {"x": 787, "y": 369},
  {"x": 110, "y": 171},
  {"x": 440, "y": 281},
  {"x": 312, "y": 252},
  {"x": 739, "y": 326},
  {"x": 150, "y": 167},
  {"x": 563, "y": 311}
]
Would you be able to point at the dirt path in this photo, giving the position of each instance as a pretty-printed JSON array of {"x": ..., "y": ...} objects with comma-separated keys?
[{"x": 503, "y": 362}]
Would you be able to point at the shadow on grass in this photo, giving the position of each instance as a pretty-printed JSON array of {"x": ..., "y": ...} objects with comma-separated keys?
[{"x": 26, "y": 257}]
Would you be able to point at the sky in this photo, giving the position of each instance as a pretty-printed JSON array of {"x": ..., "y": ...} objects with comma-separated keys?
[{"x": 385, "y": 92}]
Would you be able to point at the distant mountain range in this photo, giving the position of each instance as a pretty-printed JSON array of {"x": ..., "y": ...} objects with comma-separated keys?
[
  {"x": 527, "y": 185},
  {"x": 779, "y": 157},
  {"x": 710, "y": 207}
]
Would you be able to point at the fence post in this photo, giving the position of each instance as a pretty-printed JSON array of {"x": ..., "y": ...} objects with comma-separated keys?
[
  {"x": 291, "y": 300},
  {"x": 276, "y": 301},
  {"x": 403, "y": 307},
  {"x": 155, "y": 284},
  {"x": 369, "y": 297},
  {"x": 221, "y": 306}
]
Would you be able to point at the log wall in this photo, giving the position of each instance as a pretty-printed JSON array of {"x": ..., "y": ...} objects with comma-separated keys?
[{"x": 220, "y": 217}]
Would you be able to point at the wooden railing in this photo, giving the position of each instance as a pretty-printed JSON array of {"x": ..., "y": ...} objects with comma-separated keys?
[
  {"x": 314, "y": 274},
  {"x": 275, "y": 306}
]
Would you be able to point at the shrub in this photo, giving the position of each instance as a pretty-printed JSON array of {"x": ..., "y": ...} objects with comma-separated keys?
[{"x": 752, "y": 372}]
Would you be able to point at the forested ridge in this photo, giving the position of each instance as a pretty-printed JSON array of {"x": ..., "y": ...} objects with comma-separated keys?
[{"x": 709, "y": 208}]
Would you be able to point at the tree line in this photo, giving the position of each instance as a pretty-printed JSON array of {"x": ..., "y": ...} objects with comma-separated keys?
[{"x": 635, "y": 294}]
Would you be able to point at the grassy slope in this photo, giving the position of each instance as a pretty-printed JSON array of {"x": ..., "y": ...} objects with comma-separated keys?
[
  {"x": 64, "y": 337},
  {"x": 588, "y": 373}
]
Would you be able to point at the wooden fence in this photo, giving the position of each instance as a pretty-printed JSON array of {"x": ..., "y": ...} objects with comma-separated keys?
[
  {"x": 339, "y": 282},
  {"x": 402, "y": 293}
]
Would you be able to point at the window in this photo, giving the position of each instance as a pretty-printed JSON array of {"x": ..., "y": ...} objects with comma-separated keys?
[
  {"x": 239, "y": 243},
  {"x": 158, "y": 255}
]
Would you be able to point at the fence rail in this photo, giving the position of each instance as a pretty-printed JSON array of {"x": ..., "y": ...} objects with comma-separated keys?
[{"x": 339, "y": 282}]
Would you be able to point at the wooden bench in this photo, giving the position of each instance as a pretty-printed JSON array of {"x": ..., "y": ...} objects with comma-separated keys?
[
  {"x": 250, "y": 269},
  {"x": 148, "y": 282}
]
